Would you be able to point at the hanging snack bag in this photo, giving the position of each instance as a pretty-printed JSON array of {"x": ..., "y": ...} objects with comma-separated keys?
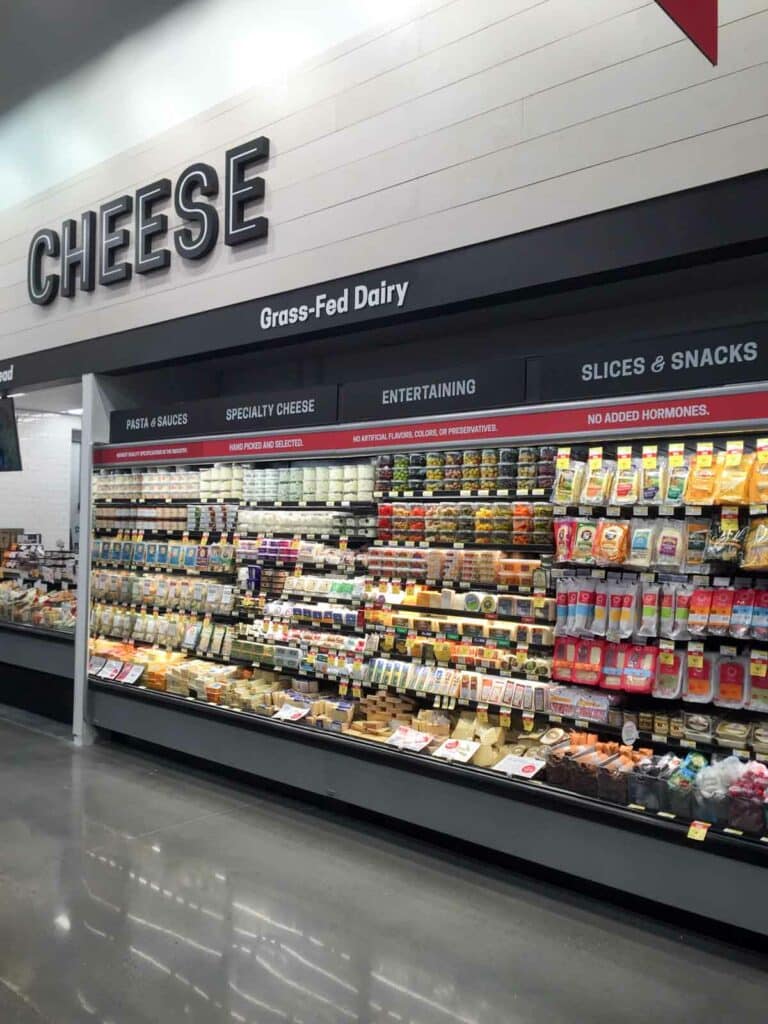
[
  {"x": 573, "y": 597},
  {"x": 731, "y": 682},
  {"x": 561, "y": 606},
  {"x": 640, "y": 669},
  {"x": 568, "y": 484},
  {"x": 642, "y": 543},
  {"x": 758, "y": 481},
  {"x": 756, "y": 545},
  {"x": 733, "y": 486},
  {"x": 720, "y": 610},
  {"x": 677, "y": 480},
  {"x": 649, "y": 610},
  {"x": 654, "y": 482},
  {"x": 667, "y": 602},
  {"x": 683, "y": 596},
  {"x": 630, "y": 605},
  {"x": 670, "y": 674},
  {"x": 626, "y": 485},
  {"x": 584, "y": 542},
  {"x": 696, "y": 546},
  {"x": 699, "y": 679},
  {"x": 760, "y": 615},
  {"x": 598, "y": 482},
  {"x": 698, "y": 613},
  {"x": 742, "y": 612},
  {"x": 670, "y": 546},
  {"x": 565, "y": 531},
  {"x": 611, "y": 545},
  {"x": 616, "y": 593},
  {"x": 725, "y": 542},
  {"x": 704, "y": 479},
  {"x": 599, "y": 625}
]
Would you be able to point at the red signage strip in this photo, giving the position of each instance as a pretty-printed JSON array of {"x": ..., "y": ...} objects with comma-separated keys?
[
  {"x": 746, "y": 407},
  {"x": 698, "y": 19}
]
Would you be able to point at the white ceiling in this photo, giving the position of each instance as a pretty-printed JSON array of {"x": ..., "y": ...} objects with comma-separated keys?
[{"x": 69, "y": 396}]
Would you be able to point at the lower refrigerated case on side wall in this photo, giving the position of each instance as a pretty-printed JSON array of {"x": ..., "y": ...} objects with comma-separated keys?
[{"x": 555, "y": 646}]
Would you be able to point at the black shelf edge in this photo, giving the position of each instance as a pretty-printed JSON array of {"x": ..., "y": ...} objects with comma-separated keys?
[{"x": 39, "y": 631}]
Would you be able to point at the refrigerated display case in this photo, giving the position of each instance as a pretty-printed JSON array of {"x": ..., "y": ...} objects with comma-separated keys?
[{"x": 555, "y": 646}]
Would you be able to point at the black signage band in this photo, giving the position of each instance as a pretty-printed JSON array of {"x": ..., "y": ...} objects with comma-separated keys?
[{"x": 309, "y": 407}]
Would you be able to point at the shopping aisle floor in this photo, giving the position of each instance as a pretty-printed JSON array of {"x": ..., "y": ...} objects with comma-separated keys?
[{"x": 133, "y": 889}]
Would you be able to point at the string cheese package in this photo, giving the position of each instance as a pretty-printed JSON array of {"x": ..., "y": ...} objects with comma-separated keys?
[
  {"x": 669, "y": 675},
  {"x": 599, "y": 625},
  {"x": 742, "y": 612},
  {"x": 598, "y": 482},
  {"x": 654, "y": 481},
  {"x": 704, "y": 479},
  {"x": 626, "y": 485},
  {"x": 670, "y": 546},
  {"x": 616, "y": 593},
  {"x": 649, "y": 610},
  {"x": 642, "y": 543},
  {"x": 611, "y": 544},
  {"x": 585, "y": 607},
  {"x": 698, "y": 613},
  {"x": 630, "y": 606},
  {"x": 683, "y": 596},
  {"x": 733, "y": 484},
  {"x": 732, "y": 682},
  {"x": 561, "y": 606},
  {"x": 667, "y": 602},
  {"x": 699, "y": 679},
  {"x": 720, "y": 611}
]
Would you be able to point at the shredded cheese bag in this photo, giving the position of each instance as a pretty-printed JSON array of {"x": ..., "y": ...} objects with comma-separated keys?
[
  {"x": 703, "y": 481},
  {"x": 733, "y": 486}
]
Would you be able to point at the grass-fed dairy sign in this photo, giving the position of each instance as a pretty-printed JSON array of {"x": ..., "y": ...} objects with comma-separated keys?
[{"x": 95, "y": 249}]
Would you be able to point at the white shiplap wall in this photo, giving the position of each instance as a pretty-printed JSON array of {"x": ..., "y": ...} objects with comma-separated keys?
[{"x": 476, "y": 119}]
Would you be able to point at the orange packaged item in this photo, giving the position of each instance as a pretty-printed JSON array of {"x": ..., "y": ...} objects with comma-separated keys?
[
  {"x": 704, "y": 480},
  {"x": 733, "y": 486},
  {"x": 611, "y": 544},
  {"x": 758, "y": 483}
]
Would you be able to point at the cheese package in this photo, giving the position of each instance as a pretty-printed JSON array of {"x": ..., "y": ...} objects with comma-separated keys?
[
  {"x": 568, "y": 484},
  {"x": 640, "y": 669},
  {"x": 760, "y": 616},
  {"x": 654, "y": 481},
  {"x": 683, "y": 595},
  {"x": 588, "y": 662},
  {"x": 732, "y": 682},
  {"x": 626, "y": 485},
  {"x": 667, "y": 602},
  {"x": 758, "y": 483},
  {"x": 584, "y": 542},
  {"x": 611, "y": 543},
  {"x": 649, "y": 610},
  {"x": 669, "y": 675},
  {"x": 599, "y": 625},
  {"x": 704, "y": 479},
  {"x": 742, "y": 612},
  {"x": 561, "y": 606},
  {"x": 630, "y": 606},
  {"x": 720, "y": 610},
  {"x": 699, "y": 680},
  {"x": 584, "y": 609},
  {"x": 642, "y": 543},
  {"x": 677, "y": 479},
  {"x": 733, "y": 485},
  {"x": 670, "y": 546},
  {"x": 598, "y": 483},
  {"x": 725, "y": 541},
  {"x": 756, "y": 545},
  {"x": 698, "y": 612},
  {"x": 696, "y": 546},
  {"x": 565, "y": 531},
  {"x": 616, "y": 592},
  {"x": 614, "y": 660}
]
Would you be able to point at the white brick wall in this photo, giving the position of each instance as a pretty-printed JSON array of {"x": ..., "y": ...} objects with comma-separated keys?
[
  {"x": 38, "y": 498},
  {"x": 473, "y": 120}
]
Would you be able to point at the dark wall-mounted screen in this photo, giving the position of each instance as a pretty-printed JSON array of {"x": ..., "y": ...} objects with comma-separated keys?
[{"x": 10, "y": 455}]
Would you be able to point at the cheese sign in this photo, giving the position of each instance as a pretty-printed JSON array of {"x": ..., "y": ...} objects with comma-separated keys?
[
  {"x": 563, "y": 458},
  {"x": 650, "y": 456},
  {"x": 624, "y": 456},
  {"x": 704, "y": 454},
  {"x": 762, "y": 450},
  {"x": 595, "y": 458}
]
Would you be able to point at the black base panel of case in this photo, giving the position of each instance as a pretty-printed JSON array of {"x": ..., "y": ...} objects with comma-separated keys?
[{"x": 607, "y": 849}]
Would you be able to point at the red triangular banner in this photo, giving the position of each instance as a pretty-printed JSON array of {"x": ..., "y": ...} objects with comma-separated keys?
[{"x": 698, "y": 19}]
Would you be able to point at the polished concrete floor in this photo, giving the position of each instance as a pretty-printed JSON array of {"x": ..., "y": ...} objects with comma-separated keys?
[{"x": 133, "y": 889}]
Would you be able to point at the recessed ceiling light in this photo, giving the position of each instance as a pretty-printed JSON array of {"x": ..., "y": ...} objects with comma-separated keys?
[
  {"x": 73, "y": 412},
  {"x": 18, "y": 394}
]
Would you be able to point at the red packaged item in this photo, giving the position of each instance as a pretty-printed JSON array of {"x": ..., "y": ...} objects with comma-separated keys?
[
  {"x": 614, "y": 661},
  {"x": 640, "y": 669},
  {"x": 563, "y": 659},
  {"x": 565, "y": 530},
  {"x": 588, "y": 664}
]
